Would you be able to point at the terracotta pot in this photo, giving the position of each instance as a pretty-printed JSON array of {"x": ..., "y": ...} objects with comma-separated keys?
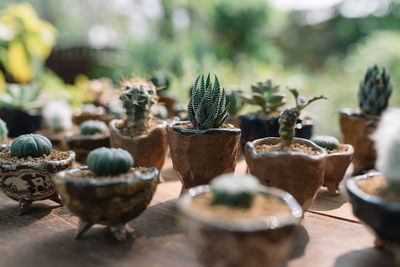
[
  {"x": 83, "y": 144},
  {"x": 378, "y": 214},
  {"x": 26, "y": 182},
  {"x": 336, "y": 166},
  {"x": 298, "y": 173},
  {"x": 147, "y": 150},
  {"x": 200, "y": 155},
  {"x": 108, "y": 201},
  {"x": 356, "y": 131},
  {"x": 264, "y": 241}
]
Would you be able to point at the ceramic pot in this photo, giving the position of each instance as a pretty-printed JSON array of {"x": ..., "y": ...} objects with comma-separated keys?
[
  {"x": 300, "y": 174},
  {"x": 147, "y": 150},
  {"x": 378, "y": 214},
  {"x": 263, "y": 241},
  {"x": 108, "y": 201},
  {"x": 336, "y": 166},
  {"x": 83, "y": 144},
  {"x": 356, "y": 130},
  {"x": 21, "y": 122},
  {"x": 26, "y": 182},
  {"x": 200, "y": 155}
]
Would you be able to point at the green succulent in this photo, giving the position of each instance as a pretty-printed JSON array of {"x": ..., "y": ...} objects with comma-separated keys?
[
  {"x": 3, "y": 132},
  {"x": 30, "y": 145},
  {"x": 207, "y": 106},
  {"x": 109, "y": 161},
  {"x": 23, "y": 97},
  {"x": 92, "y": 127},
  {"x": 327, "y": 142},
  {"x": 235, "y": 102},
  {"x": 375, "y": 90}
]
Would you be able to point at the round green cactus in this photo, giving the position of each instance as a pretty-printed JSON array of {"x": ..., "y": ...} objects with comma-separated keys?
[
  {"x": 234, "y": 190},
  {"x": 92, "y": 127},
  {"x": 30, "y": 145},
  {"x": 327, "y": 142},
  {"x": 3, "y": 131},
  {"x": 109, "y": 161}
]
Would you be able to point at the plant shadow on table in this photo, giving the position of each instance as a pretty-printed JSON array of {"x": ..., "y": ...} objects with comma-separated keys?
[
  {"x": 169, "y": 175},
  {"x": 365, "y": 257},
  {"x": 324, "y": 201},
  {"x": 300, "y": 242}
]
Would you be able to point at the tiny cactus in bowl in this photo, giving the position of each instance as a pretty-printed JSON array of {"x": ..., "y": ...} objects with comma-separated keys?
[
  {"x": 30, "y": 145},
  {"x": 207, "y": 106},
  {"x": 3, "y": 132},
  {"x": 375, "y": 90},
  {"x": 109, "y": 161},
  {"x": 327, "y": 142},
  {"x": 289, "y": 116},
  {"x": 92, "y": 127},
  {"x": 234, "y": 190}
]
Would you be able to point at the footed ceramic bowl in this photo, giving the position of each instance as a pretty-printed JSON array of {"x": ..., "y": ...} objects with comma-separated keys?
[{"x": 108, "y": 201}]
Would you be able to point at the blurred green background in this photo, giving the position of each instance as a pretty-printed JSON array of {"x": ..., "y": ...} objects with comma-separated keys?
[{"x": 320, "y": 47}]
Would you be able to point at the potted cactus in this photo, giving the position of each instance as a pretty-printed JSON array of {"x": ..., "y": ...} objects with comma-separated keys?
[
  {"x": 295, "y": 165},
  {"x": 237, "y": 216},
  {"x": 204, "y": 146},
  {"x": 3, "y": 132},
  {"x": 375, "y": 197},
  {"x": 338, "y": 160},
  {"x": 161, "y": 81},
  {"x": 107, "y": 191},
  {"x": 27, "y": 169},
  {"x": 140, "y": 133},
  {"x": 357, "y": 126}
]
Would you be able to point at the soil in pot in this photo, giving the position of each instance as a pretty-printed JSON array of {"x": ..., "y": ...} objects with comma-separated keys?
[
  {"x": 55, "y": 155},
  {"x": 376, "y": 186}
]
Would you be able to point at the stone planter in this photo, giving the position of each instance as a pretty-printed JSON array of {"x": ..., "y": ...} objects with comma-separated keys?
[
  {"x": 147, "y": 150},
  {"x": 107, "y": 200},
  {"x": 356, "y": 131},
  {"x": 298, "y": 173},
  {"x": 200, "y": 155},
  {"x": 83, "y": 144},
  {"x": 26, "y": 182},
  {"x": 263, "y": 241}
]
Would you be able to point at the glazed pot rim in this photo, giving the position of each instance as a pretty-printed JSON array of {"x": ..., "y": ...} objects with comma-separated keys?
[
  {"x": 114, "y": 128},
  {"x": 246, "y": 225},
  {"x": 175, "y": 125},
  {"x": 250, "y": 148},
  {"x": 351, "y": 185},
  {"x": 138, "y": 176}
]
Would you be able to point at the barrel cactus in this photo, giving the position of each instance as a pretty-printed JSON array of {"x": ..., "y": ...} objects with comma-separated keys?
[
  {"x": 207, "y": 106},
  {"x": 234, "y": 190},
  {"x": 30, "y": 145},
  {"x": 109, "y": 161},
  {"x": 375, "y": 90},
  {"x": 92, "y": 127},
  {"x": 3, "y": 132},
  {"x": 327, "y": 142}
]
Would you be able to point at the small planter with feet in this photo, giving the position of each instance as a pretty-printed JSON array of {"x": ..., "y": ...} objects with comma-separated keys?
[
  {"x": 235, "y": 221},
  {"x": 337, "y": 161},
  {"x": 27, "y": 169},
  {"x": 108, "y": 191}
]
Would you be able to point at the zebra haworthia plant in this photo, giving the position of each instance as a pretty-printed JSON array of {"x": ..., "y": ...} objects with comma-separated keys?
[{"x": 207, "y": 106}]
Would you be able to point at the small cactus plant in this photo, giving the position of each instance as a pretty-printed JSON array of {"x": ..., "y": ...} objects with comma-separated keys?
[
  {"x": 207, "y": 106},
  {"x": 92, "y": 127},
  {"x": 235, "y": 102},
  {"x": 289, "y": 116},
  {"x": 3, "y": 132},
  {"x": 109, "y": 161},
  {"x": 265, "y": 95},
  {"x": 375, "y": 90},
  {"x": 327, "y": 142},
  {"x": 30, "y": 145},
  {"x": 138, "y": 96}
]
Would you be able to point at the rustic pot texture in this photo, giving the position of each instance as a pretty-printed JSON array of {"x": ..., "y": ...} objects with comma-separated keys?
[
  {"x": 83, "y": 144},
  {"x": 356, "y": 131},
  {"x": 265, "y": 241},
  {"x": 26, "y": 182},
  {"x": 200, "y": 155},
  {"x": 148, "y": 150},
  {"x": 336, "y": 166},
  {"x": 299, "y": 174},
  {"x": 108, "y": 201}
]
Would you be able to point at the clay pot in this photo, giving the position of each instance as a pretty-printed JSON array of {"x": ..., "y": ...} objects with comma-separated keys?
[
  {"x": 378, "y": 214},
  {"x": 200, "y": 155},
  {"x": 21, "y": 122},
  {"x": 298, "y": 173},
  {"x": 336, "y": 166},
  {"x": 147, "y": 150},
  {"x": 26, "y": 182},
  {"x": 356, "y": 131},
  {"x": 264, "y": 241},
  {"x": 83, "y": 144},
  {"x": 108, "y": 201}
]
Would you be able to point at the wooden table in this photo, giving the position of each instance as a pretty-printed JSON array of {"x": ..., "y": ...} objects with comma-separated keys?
[{"x": 330, "y": 235}]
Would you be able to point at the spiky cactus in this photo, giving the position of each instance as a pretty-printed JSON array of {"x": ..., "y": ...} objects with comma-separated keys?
[
  {"x": 3, "y": 132},
  {"x": 375, "y": 90},
  {"x": 207, "y": 106},
  {"x": 327, "y": 142},
  {"x": 288, "y": 118},
  {"x": 137, "y": 98}
]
